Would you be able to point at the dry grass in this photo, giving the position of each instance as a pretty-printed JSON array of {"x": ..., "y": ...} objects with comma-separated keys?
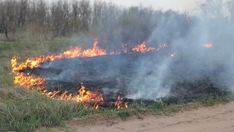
[{"x": 25, "y": 110}]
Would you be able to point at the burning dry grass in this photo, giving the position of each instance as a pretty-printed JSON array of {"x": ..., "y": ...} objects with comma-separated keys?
[
  {"x": 24, "y": 49},
  {"x": 29, "y": 81},
  {"x": 25, "y": 110}
]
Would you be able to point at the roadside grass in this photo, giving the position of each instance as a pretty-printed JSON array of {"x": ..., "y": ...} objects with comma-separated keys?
[{"x": 25, "y": 110}]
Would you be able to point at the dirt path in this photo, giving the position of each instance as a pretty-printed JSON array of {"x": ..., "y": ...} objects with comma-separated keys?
[{"x": 218, "y": 118}]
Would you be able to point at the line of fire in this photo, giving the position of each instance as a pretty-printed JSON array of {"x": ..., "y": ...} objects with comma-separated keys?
[{"x": 89, "y": 86}]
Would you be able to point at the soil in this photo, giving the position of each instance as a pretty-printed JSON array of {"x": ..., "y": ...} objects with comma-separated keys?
[{"x": 206, "y": 119}]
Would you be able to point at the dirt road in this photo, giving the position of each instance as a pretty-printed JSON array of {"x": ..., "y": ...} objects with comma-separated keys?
[{"x": 219, "y": 118}]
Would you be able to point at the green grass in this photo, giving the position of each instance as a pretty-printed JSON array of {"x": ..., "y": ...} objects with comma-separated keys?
[{"x": 25, "y": 110}]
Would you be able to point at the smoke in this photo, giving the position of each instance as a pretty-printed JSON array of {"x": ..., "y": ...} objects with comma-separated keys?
[
  {"x": 149, "y": 86},
  {"x": 193, "y": 62},
  {"x": 202, "y": 46}
]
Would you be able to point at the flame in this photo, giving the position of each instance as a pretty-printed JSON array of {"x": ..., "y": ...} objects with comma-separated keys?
[
  {"x": 119, "y": 103},
  {"x": 142, "y": 48},
  {"x": 29, "y": 81},
  {"x": 23, "y": 79},
  {"x": 72, "y": 53},
  {"x": 87, "y": 97}
]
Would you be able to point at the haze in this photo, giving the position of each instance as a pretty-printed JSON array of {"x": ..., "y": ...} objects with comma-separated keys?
[{"x": 176, "y": 5}]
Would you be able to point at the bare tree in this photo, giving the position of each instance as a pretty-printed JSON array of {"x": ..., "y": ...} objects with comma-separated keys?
[
  {"x": 8, "y": 17},
  {"x": 97, "y": 12},
  {"x": 111, "y": 23},
  {"x": 84, "y": 14},
  {"x": 22, "y": 12},
  {"x": 75, "y": 19},
  {"x": 60, "y": 13}
]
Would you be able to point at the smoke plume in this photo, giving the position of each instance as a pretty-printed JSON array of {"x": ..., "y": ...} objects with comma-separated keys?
[
  {"x": 199, "y": 54},
  {"x": 194, "y": 61}
]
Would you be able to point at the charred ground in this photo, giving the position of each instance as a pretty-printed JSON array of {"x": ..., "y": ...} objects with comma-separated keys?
[
  {"x": 33, "y": 34},
  {"x": 26, "y": 110},
  {"x": 110, "y": 75}
]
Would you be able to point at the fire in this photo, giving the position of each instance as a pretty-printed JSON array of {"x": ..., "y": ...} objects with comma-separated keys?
[
  {"x": 142, "y": 48},
  {"x": 29, "y": 81},
  {"x": 72, "y": 53},
  {"x": 89, "y": 98},
  {"x": 23, "y": 79},
  {"x": 95, "y": 51},
  {"x": 119, "y": 103}
]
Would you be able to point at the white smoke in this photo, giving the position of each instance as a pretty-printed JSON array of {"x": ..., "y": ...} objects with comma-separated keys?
[
  {"x": 196, "y": 62},
  {"x": 157, "y": 75}
]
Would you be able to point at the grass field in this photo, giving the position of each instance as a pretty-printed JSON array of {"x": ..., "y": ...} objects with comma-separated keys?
[{"x": 25, "y": 110}]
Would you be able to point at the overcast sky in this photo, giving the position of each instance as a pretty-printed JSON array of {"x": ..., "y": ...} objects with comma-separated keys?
[
  {"x": 176, "y": 5},
  {"x": 179, "y": 5}
]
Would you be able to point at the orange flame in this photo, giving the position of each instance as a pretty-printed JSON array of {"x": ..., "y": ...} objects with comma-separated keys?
[
  {"x": 24, "y": 80},
  {"x": 72, "y": 53},
  {"x": 90, "y": 99},
  {"x": 88, "y": 96},
  {"x": 29, "y": 81},
  {"x": 83, "y": 96},
  {"x": 142, "y": 48},
  {"x": 119, "y": 103}
]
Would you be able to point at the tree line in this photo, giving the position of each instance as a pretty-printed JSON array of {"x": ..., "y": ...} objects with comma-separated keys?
[
  {"x": 111, "y": 23},
  {"x": 59, "y": 18},
  {"x": 62, "y": 18}
]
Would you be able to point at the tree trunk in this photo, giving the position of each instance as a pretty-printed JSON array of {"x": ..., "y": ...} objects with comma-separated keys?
[{"x": 6, "y": 32}]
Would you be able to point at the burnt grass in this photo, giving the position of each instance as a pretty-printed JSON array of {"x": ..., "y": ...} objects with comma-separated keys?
[{"x": 26, "y": 110}]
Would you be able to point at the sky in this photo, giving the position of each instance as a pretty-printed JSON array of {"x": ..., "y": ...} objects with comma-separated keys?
[
  {"x": 189, "y": 6},
  {"x": 178, "y": 5}
]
